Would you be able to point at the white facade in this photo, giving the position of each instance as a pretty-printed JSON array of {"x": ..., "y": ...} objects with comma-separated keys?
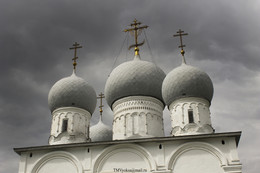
[
  {"x": 136, "y": 92},
  {"x": 189, "y": 116},
  {"x": 137, "y": 117},
  {"x": 139, "y": 144},
  {"x": 69, "y": 125},
  {"x": 214, "y": 153}
]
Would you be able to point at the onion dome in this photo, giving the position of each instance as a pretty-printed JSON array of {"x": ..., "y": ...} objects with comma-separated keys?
[
  {"x": 134, "y": 78},
  {"x": 72, "y": 91},
  {"x": 100, "y": 132},
  {"x": 186, "y": 81}
]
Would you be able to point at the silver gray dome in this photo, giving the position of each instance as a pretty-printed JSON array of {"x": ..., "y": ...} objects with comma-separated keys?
[
  {"x": 100, "y": 132},
  {"x": 72, "y": 91},
  {"x": 134, "y": 78},
  {"x": 186, "y": 81}
]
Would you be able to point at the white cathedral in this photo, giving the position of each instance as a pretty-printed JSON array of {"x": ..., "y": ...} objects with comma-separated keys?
[{"x": 137, "y": 92}]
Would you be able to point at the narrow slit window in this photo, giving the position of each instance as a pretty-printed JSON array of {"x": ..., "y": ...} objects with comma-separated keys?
[
  {"x": 190, "y": 114},
  {"x": 65, "y": 125}
]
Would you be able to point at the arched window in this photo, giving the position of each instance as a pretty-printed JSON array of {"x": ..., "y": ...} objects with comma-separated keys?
[
  {"x": 64, "y": 125},
  {"x": 190, "y": 114}
]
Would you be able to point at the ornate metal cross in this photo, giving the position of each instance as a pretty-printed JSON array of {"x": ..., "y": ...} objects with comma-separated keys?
[
  {"x": 101, "y": 96},
  {"x": 180, "y": 34},
  {"x": 75, "y": 47},
  {"x": 135, "y": 27}
]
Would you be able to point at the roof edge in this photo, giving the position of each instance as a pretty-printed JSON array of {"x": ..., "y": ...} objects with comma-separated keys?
[{"x": 237, "y": 136}]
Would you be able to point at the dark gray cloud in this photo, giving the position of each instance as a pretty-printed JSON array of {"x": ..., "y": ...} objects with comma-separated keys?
[{"x": 35, "y": 36}]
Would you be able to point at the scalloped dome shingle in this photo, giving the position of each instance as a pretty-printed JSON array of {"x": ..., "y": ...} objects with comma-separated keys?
[
  {"x": 100, "y": 132},
  {"x": 134, "y": 78},
  {"x": 72, "y": 91},
  {"x": 186, "y": 81}
]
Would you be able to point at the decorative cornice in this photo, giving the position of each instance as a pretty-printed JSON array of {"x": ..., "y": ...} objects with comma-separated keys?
[
  {"x": 72, "y": 110},
  {"x": 137, "y": 103},
  {"x": 139, "y": 114}
]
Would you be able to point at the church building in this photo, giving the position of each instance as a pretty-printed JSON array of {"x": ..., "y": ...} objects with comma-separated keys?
[{"x": 137, "y": 92}]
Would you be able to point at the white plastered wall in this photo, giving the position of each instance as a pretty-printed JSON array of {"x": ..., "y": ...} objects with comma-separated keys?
[
  {"x": 77, "y": 126},
  {"x": 137, "y": 117},
  {"x": 180, "y": 119},
  {"x": 167, "y": 156}
]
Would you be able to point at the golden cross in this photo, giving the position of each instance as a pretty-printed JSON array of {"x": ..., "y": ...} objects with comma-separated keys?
[
  {"x": 101, "y": 96},
  {"x": 75, "y": 47},
  {"x": 135, "y": 27},
  {"x": 180, "y": 34}
]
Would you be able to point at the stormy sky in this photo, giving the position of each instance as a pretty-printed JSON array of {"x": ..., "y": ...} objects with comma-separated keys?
[{"x": 35, "y": 36}]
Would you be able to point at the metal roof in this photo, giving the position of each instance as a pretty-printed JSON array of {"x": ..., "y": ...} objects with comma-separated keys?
[
  {"x": 186, "y": 81},
  {"x": 72, "y": 91},
  {"x": 134, "y": 78}
]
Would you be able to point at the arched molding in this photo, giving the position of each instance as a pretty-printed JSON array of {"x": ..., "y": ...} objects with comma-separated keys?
[
  {"x": 175, "y": 107},
  {"x": 202, "y": 104},
  {"x": 184, "y": 104},
  {"x": 142, "y": 114},
  {"x": 148, "y": 114},
  {"x": 110, "y": 151},
  {"x": 57, "y": 155},
  {"x": 190, "y": 127},
  {"x": 134, "y": 114},
  {"x": 196, "y": 146}
]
